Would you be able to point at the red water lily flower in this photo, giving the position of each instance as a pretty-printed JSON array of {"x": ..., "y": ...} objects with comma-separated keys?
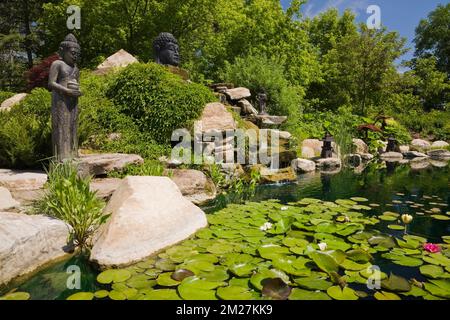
[{"x": 431, "y": 247}]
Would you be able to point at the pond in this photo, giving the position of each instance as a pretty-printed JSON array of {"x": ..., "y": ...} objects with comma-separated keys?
[{"x": 320, "y": 238}]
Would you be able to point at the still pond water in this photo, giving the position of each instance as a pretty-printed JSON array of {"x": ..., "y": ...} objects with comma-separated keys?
[{"x": 396, "y": 188}]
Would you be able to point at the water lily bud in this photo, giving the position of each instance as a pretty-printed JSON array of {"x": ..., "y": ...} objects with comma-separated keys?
[
  {"x": 323, "y": 246},
  {"x": 407, "y": 218}
]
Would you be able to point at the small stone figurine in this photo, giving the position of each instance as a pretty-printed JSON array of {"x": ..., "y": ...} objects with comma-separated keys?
[
  {"x": 262, "y": 101},
  {"x": 64, "y": 82},
  {"x": 166, "y": 50}
]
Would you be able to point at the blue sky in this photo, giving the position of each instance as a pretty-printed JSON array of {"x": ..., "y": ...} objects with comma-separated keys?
[{"x": 402, "y": 16}]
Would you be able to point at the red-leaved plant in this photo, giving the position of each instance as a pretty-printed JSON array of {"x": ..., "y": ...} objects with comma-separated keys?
[{"x": 38, "y": 75}]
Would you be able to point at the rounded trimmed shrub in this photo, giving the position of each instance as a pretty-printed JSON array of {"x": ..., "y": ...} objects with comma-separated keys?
[{"x": 157, "y": 100}]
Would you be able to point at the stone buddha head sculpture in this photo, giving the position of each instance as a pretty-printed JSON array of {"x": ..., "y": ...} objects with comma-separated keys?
[
  {"x": 69, "y": 50},
  {"x": 166, "y": 49}
]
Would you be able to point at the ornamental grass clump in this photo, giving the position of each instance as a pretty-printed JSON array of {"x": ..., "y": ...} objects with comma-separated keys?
[{"x": 69, "y": 198}]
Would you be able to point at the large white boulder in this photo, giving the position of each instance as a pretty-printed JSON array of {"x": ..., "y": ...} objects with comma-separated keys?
[
  {"x": 101, "y": 164},
  {"x": 6, "y": 200},
  {"x": 360, "y": 146},
  {"x": 15, "y": 180},
  {"x": 421, "y": 144},
  {"x": 11, "y": 102},
  {"x": 28, "y": 242},
  {"x": 215, "y": 118},
  {"x": 119, "y": 59},
  {"x": 303, "y": 165},
  {"x": 148, "y": 214},
  {"x": 238, "y": 93},
  {"x": 194, "y": 185},
  {"x": 440, "y": 144}
]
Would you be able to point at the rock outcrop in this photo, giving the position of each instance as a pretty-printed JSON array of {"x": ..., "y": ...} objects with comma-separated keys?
[
  {"x": 102, "y": 164},
  {"x": 11, "y": 102},
  {"x": 28, "y": 242},
  {"x": 194, "y": 185},
  {"x": 148, "y": 214},
  {"x": 303, "y": 165},
  {"x": 118, "y": 60}
]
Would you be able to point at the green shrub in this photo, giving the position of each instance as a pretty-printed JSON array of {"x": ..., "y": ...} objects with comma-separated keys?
[
  {"x": 5, "y": 95},
  {"x": 25, "y": 132},
  {"x": 148, "y": 168},
  {"x": 69, "y": 198},
  {"x": 436, "y": 123},
  {"x": 257, "y": 73},
  {"x": 159, "y": 102}
]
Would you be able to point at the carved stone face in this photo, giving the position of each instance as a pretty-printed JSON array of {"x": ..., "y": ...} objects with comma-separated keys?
[
  {"x": 170, "y": 54},
  {"x": 71, "y": 55}
]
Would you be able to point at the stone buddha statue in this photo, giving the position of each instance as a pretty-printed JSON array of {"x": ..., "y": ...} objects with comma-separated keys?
[
  {"x": 166, "y": 49},
  {"x": 63, "y": 80}
]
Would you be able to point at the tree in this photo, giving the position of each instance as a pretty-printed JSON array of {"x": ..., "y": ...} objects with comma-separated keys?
[{"x": 433, "y": 37}]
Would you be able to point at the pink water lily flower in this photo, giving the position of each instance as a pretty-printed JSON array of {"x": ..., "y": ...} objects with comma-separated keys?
[{"x": 431, "y": 247}]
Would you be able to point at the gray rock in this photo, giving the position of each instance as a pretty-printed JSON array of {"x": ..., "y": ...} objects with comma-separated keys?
[
  {"x": 308, "y": 152},
  {"x": 6, "y": 200},
  {"x": 303, "y": 165},
  {"x": 247, "y": 108},
  {"x": 419, "y": 164},
  {"x": 439, "y": 154},
  {"x": 328, "y": 164},
  {"x": 438, "y": 163},
  {"x": 359, "y": 146},
  {"x": 215, "y": 118},
  {"x": 421, "y": 144},
  {"x": 439, "y": 144},
  {"x": 391, "y": 156},
  {"x": 414, "y": 154},
  {"x": 16, "y": 180},
  {"x": 28, "y": 242},
  {"x": 105, "y": 187},
  {"x": 367, "y": 156},
  {"x": 119, "y": 59},
  {"x": 404, "y": 149},
  {"x": 11, "y": 102},
  {"x": 102, "y": 164},
  {"x": 194, "y": 185},
  {"x": 238, "y": 93},
  {"x": 148, "y": 214}
]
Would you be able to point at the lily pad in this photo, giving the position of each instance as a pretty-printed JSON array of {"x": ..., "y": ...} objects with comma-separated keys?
[
  {"x": 396, "y": 227},
  {"x": 162, "y": 294},
  {"x": 117, "y": 295},
  {"x": 16, "y": 296},
  {"x": 234, "y": 293},
  {"x": 324, "y": 261},
  {"x": 396, "y": 283},
  {"x": 81, "y": 296},
  {"x": 337, "y": 293},
  {"x": 113, "y": 275},
  {"x": 101, "y": 294},
  {"x": 432, "y": 271},
  {"x": 301, "y": 294},
  {"x": 313, "y": 283},
  {"x": 276, "y": 289},
  {"x": 359, "y": 199},
  {"x": 383, "y": 295},
  {"x": 440, "y": 217},
  {"x": 180, "y": 274},
  {"x": 166, "y": 280}
]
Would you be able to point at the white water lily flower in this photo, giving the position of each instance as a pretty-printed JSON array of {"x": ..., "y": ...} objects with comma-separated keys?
[
  {"x": 347, "y": 219},
  {"x": 284, "y": 208},
  {"x": 323, "y": 246},
  {"x": 266, "y": 226},
  {"x": 407, "y": 218}
]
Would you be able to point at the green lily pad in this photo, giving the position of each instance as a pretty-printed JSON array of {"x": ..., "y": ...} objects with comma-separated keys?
[
  {"x": 113, "y": 275},
  {"x": 432, "y": 271},
  {"x": 162, "y": 294},
  {"x": 81, "y": 296},
  {"x": 440, "y": 291},
  {"x": 367, "y": 274},
  {"x": 437, "y": 259},
  {"x": 166, "y": 280},
  {"x": 415, "y": 292},
  {"x": 359, "y": 255},
  {"x": 359, "y": 199},
  {"x": 383, "y": 295},
  {"x": 165, "y": 265},
  {"x": 218, "y": 274},
  {"x": 257, "y": 278},
  {"x": 387, "y": 218},
  {"x": 440, "y": 217},
  {"x": 313, "y": 283},
  {"x": 242, "y": 269},
  {"x": 117, "y": 295},
  {"x": 337, "y": 293},
  {"x": 396, "y": 283},
  {"x": 270, "y": 251},
  {"x": 324, "y": 261},
  {"x": 16, "y": 296},
  {"x": 100, "y": 294},
  {"x": 234, "y": 293},
  {"x": 396, "y": 227},
  {"x": 351, "y": 265},
  {"x": 300, "y": 294}
]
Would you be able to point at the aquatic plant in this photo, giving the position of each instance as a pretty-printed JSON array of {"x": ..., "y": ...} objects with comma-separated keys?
[{"x": 69, "y": 198}]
